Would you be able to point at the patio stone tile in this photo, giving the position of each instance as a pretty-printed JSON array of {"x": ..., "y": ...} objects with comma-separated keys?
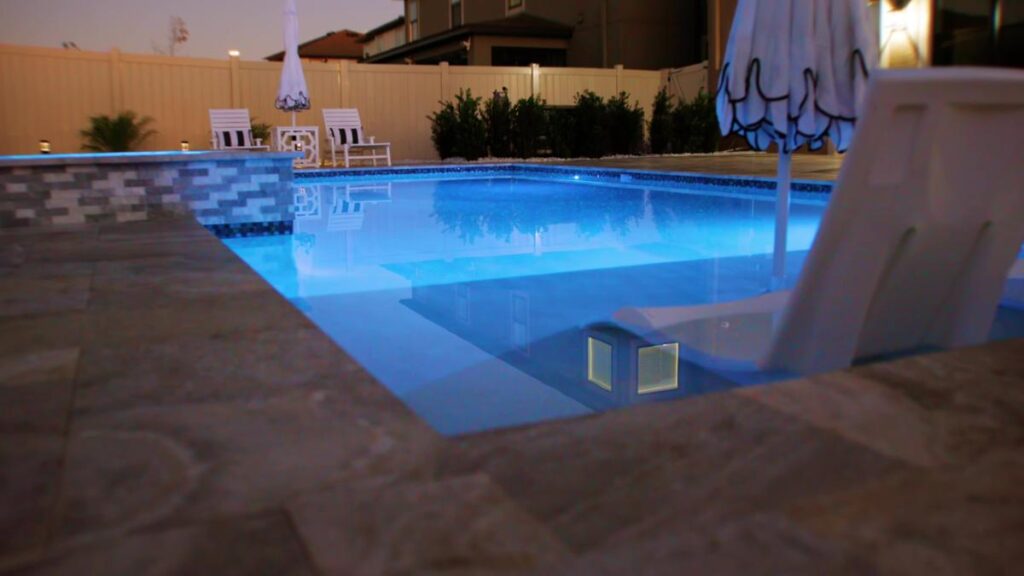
[
  {"x": 29, "y": 474},
  {"x": 44, "y": 289},
  {"x": 973, "y": 396},
  {"x": 36, "y": 389},
  {"x": 953, "y": 520},
  {"x": 246, "y": 367},
  {"x": 29, "y": 334},
  {"x": 759, "y": 544},
  {"x": 151, "y": 231},
  {"x": 632, "y": 475},
  {"x": 457, "y": 526},
  {"x": 962, "y": 411},
  {"x": 263, "y": 544},
  {"x": 233, "y": 458},
  {"x": 145, "y": 282},
  {"x": 216, "y": 316}
]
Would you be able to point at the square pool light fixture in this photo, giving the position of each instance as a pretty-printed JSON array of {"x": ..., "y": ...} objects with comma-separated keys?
[
  {"x": 599, "y": 363},
  {"x": 657, "y": 368}
]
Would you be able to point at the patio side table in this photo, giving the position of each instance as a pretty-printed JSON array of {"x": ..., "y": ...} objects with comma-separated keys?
[{"x": 305, "y": 139}]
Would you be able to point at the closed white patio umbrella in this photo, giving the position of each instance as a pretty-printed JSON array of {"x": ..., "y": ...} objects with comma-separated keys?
[
  {"x": 794, "y": 73},
  {"x": 292, "y": 96}
]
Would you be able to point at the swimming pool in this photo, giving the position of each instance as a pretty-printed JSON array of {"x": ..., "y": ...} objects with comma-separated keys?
[{"x": 469, "y": 297}]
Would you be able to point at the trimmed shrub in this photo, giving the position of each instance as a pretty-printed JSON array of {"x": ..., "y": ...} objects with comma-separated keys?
[
  {"x": 661, "y": 123},
  {"x": 121, "y": 133},
  {"x": 443, "y": 127},
  {"x": 528, "y": 125},
  {"x": 590, "y": 129},
  {"x": 458, "y": 130},
  {"x": 625, "y": 125},
  {"x": 497, "y": 116},
  {"x": 561, "y": 131},
  {"x": 695, "y": 125}
]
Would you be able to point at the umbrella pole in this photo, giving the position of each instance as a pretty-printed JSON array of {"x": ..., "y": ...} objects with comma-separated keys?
[
  {"x": 781, "y": 221},
  {"x": 293, "y": 118}
]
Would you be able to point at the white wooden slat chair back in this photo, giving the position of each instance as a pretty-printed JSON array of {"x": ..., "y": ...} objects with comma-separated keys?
[
  {"x": 345, "y": 133},
  {"x": 232, "y": 129}
]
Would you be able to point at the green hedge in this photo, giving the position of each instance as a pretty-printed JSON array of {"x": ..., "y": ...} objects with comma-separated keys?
[{"x": 471, "y": 128}]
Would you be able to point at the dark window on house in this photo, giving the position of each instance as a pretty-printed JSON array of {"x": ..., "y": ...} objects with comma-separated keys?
[
  {"x": 509, "y": 56},
  {"x": 456, "y": 13},
  {"x": 979, "y": 32},
  {"x": 701, "y": 34}
]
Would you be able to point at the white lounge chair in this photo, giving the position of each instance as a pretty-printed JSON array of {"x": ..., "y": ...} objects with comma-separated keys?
[
  {"x": 232, "y": 130},
  {"x": 345, "y": 133},
  {"x": 914, "y": 250}
]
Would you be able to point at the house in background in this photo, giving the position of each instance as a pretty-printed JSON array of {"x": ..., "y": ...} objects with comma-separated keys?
[
  {"x": 387, "y": 36},
  {"x": 638, "y": 34},
  {"x": 339, "y": 45}
]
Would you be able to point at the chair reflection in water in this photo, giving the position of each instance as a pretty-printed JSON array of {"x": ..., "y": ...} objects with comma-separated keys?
[{"x": 348, "y": 202}]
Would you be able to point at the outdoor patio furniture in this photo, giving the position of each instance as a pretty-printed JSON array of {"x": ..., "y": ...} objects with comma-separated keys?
[
  {"x": 914, "y": 250},
  {"x": 232, "y": 130},
  {"x": 345, "y": 132}
]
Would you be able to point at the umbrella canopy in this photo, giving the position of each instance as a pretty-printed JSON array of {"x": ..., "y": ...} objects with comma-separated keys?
[
  {"x": 794, "y": 73},
  {"x": 292, "y": 95}
]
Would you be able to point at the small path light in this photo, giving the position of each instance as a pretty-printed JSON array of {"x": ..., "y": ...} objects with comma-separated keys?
[
  {"x": 44, "y": 146},
  {"x": 234, "y": 53},
  {"x": 184, "y": 146}
]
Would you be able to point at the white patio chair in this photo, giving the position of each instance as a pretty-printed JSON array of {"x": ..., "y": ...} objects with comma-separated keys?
[
  {"x": 914, "y": 249},
  {"x": 232, "y": 130},
  {"x": 345, "y": 133}
]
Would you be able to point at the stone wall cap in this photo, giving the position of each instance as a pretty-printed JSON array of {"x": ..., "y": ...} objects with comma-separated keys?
[{"x": 139, "y": 158}]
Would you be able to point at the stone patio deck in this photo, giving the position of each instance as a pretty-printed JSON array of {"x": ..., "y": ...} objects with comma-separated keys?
[{"x": 166, "y": 412}]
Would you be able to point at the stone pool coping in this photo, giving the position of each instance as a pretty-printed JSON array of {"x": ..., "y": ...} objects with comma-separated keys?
[
  {"x": 158, "y": 157},
  {"x": 174, "y": 411}
]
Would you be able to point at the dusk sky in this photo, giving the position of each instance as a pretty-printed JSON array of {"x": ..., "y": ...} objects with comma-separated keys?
[{"x": 215, "y": 26}]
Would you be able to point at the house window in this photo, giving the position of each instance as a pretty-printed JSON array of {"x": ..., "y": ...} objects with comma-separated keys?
[
  {"x": 514, "y": 5},
  {"x": 456, "y": 13},
  {"x": 413, "y": 16}
]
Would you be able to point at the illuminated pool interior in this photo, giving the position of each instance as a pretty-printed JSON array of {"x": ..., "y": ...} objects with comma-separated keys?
[{"x": 483, "y": 301}]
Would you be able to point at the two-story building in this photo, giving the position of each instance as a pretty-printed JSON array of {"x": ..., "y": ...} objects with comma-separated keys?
[{"x": 640, "y": 34}]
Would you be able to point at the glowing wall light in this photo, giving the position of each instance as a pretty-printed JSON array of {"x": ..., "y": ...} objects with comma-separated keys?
[
  {"x": 658, "y": 368},
  {"x": 185, "y": 146},
  {"x": 905, "y": 33},
  {"x": 599, "y": 363},
  {"x": 44, "y": 146},
  {"x": 234, "y": 53}
]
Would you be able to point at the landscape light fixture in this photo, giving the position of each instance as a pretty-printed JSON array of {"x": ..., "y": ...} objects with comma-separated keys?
[
  {"x": 234, "y": 53},
  {"x": 44, "y": 146},
  {"x": 184, "y": 146}
]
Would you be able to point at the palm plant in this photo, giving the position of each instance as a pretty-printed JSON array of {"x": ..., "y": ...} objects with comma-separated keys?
[{"x": 120, "y": 133}]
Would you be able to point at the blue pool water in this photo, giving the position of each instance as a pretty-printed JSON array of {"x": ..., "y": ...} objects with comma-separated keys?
[{"x": 469, "y": 298}]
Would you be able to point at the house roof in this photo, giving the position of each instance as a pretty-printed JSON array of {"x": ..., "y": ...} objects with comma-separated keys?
[
  {"x": 521, "y": 25},
  {"x": 390, "y": 25},
  {"x": 342, "y": 44}
]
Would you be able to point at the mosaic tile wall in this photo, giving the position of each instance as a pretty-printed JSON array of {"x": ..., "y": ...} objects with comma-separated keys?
[{"x": 218, "y": 192}]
